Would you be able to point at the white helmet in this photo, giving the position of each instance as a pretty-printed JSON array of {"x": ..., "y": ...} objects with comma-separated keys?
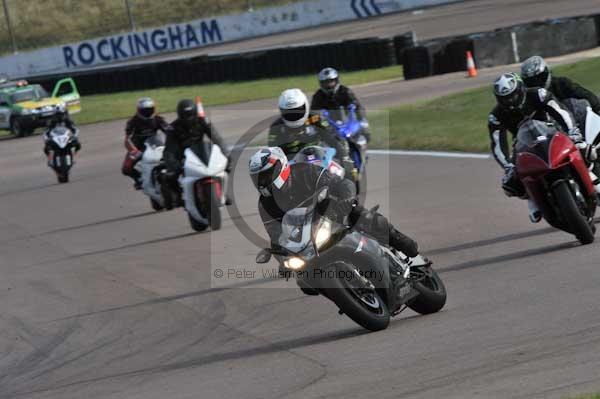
[
  {"x": 329, "y": 80},
  {"x": 294, "y": 107}
]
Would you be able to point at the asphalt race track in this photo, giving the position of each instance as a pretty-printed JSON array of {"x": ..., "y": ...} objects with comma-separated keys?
[{"x": 102, "y": 298}]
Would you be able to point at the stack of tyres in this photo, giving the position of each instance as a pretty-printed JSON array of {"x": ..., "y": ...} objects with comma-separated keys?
[
  {"x": 418, "y": 62},
  {"x": 403, "y": 42}
]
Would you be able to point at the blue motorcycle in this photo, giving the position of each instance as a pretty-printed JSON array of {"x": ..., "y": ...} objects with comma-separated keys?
[{"x": 351, "y": 131}]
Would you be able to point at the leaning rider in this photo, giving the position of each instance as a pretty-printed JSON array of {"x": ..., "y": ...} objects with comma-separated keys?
[{"x": 515, "y": 102}]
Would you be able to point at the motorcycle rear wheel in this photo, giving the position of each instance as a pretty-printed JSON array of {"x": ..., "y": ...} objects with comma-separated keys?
[
  {"x": 580, "y": 226},
  {"x": 156, "y": 205},
  {"x": 62, "y": 177},
  {"x": 366, "y": 309}
]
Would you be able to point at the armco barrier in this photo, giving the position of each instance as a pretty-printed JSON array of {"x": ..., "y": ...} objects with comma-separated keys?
[
  {"x": 557, "y": 37},
  {"x": 493, "y": 48}
]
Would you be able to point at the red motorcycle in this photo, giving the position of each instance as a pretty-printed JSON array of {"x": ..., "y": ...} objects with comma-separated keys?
[{"x": 556, "y": 178}]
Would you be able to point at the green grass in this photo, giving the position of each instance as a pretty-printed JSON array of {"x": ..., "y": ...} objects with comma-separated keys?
[
  {"x": 591, "y": 396},
  {"x": 104, "y": 107},
  {"x": 458, "y": 122}
]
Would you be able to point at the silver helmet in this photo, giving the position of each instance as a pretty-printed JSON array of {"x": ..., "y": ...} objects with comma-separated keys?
[{"x": 535, "y": 72}]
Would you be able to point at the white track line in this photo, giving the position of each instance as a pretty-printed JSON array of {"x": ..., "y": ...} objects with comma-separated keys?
[{"x": 436, "y": 154}]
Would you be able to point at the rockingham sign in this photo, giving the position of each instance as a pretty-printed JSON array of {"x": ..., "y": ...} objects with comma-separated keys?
[
  {"x": 198, "y": 33},
  {"x": 139, "y": 44}
]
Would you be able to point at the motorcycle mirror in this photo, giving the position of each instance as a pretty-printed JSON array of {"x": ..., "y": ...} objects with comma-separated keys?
[
  {"x": 263, "y": 256},
  {"x": 375, "y": 208}
]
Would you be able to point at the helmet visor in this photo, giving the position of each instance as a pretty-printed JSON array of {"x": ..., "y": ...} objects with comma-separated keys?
[
  {"x": 147, "y": 112},
  {"x": 294, "y": 114},
  {"x": 538, "y": 80},
  {"x": 513, "y": 100},
  {"x": 329, "y": 84},
  {"x": 266, "y": 178}
]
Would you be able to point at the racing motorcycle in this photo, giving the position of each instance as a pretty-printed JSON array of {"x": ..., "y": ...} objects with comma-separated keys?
[
  {"x": 368, "y": 282},
  {"x": 202, "y": 185},
  {"x": 151, "y": 169},
  {"x": 556, "y": 177},
  {"x": 61, "y": 151},
  {"x": 350, "y": 130}
]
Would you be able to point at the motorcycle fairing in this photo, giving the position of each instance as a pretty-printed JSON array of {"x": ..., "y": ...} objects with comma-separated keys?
[{"x": 194, "y": 171}]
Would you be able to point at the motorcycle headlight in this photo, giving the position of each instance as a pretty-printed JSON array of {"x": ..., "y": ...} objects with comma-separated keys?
[
  {"x": 323, "y": 233},
  {"x": 26, "y": 111},
  {"x": 294, "y": 263}
]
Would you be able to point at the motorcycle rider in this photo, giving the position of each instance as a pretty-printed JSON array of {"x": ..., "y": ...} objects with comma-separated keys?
[
  {"x": 536, "y": 73},
  {"x": 298, "y": 127},
  {"x": 143, "y": 125},
  {"x": 515, "y": 102},
  {"x": 61, "y": 118},
  {"x": 283, "y": 187},
  {"x": 188, "y": 129},
  {"x": 333, "y": 96}
]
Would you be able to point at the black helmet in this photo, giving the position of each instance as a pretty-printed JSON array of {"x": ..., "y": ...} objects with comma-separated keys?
[
  {"x": 146, "y": 108},
  {"x": 536, "y": 73},
  {"x": 61, "y": 112},
  {"x": 329, "y": 80},
  {"x": 510, "y": 91},
  {"x": 187, "y": 110},
  {"x": 269, "y": 167}
]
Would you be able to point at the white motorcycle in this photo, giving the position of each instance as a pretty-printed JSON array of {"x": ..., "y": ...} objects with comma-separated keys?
[
  {"x": 150, "y": 170},
  {"x": 202, "y": 184},
  {"x": 61, "y": 150}
]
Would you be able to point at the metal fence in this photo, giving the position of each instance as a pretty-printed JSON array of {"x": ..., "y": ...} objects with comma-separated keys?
[{"x": 34, "y": 24}]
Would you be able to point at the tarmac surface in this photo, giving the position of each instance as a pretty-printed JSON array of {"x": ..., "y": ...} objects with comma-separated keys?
[{"x": 101, "y": 297}]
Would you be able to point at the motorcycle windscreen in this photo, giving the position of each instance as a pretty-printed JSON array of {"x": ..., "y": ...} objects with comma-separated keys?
[
  {"x": 61, "y": 136},
  {"x": 296, "y": 229},
  {"x": 535, "y": 137}
]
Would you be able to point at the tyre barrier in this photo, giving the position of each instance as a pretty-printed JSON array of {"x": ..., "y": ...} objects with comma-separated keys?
[
  {"x": 347, "y": 55},
  {"x": 418, "y": 62}
]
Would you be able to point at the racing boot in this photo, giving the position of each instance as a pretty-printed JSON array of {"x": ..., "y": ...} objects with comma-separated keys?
[
  {"x": 535, "y": 215},
  {"x": 403, "y": 243}
]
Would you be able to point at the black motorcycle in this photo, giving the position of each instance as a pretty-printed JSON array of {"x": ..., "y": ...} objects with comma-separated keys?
[
  {"x": 61, "y": 151},
  {"x": 368, "y": 281}
]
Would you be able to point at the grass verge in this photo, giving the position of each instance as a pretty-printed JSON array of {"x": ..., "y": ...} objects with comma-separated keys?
[
  {"x": 591, "y": 396},
  {"x": 458, "y": 122},
  {"x": 98, "y": 108}
]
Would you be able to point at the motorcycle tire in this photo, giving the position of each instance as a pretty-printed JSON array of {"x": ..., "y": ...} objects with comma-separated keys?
[
  {"x": 63, "y": 178},
  {"x": 432, "y": 297},
  {"x": 156, "y": 205},
  {"x": 197, "y": 226},
  {"x": 211, "y": 206},
  {"x": 374, "y": 317},
  {"x": 580, "y": 226}
]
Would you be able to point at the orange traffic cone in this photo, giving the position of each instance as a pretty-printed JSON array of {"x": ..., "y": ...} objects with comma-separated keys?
[
  {"x": 471, "y": 69},
  {"x": 200, "y": 107}
]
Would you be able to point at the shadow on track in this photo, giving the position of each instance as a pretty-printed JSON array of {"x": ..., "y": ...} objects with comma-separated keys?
[
  {"x": 496, "y": 240},
  {"x": 510, "y": 257}
]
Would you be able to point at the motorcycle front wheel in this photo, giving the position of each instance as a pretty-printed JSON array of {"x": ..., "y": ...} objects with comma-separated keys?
[
  {"x": 359, "y": 302},
  {"x": 209, "y": 205},
  {"x": 575, "y": 217}
]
